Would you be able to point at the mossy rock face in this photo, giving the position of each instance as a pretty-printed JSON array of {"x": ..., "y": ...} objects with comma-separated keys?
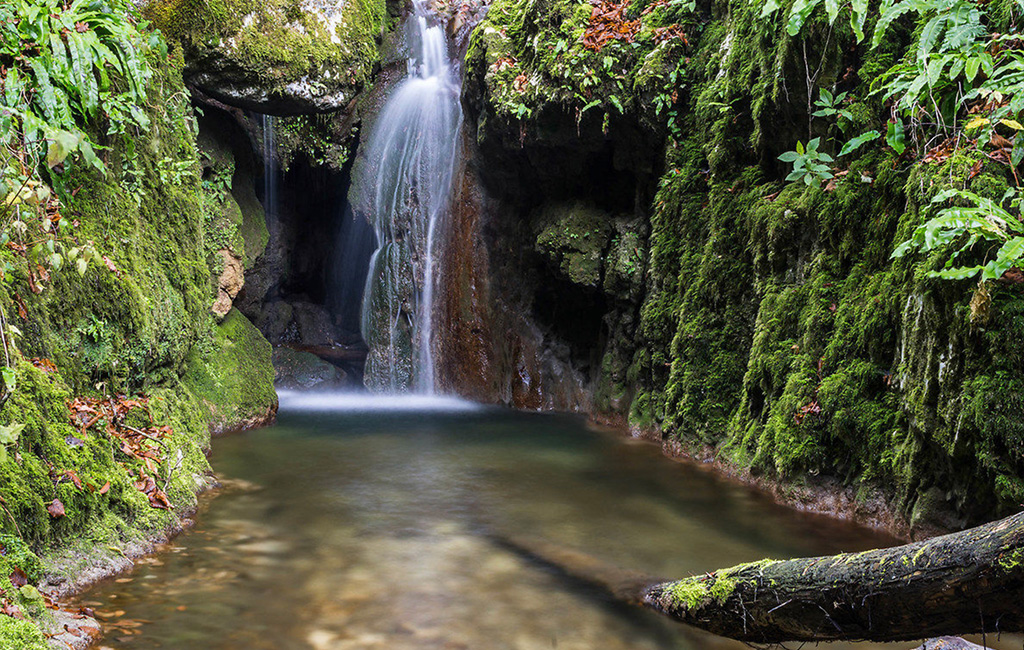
[
  {"x": 233, "y": 376},
  {"x": 283, "y": 57},
  {"x": 137, "y": 322},
  {"x": 574, "y": 237},
  {"x": 773, "y": 325}
]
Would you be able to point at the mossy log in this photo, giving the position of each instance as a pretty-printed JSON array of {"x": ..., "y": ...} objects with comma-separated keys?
[{"x": 963, "y": 583}]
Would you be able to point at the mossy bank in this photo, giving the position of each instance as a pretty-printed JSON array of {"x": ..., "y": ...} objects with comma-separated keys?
[
  {"x": 136, "y": 327},
  {"x": 772, "y": 331}
]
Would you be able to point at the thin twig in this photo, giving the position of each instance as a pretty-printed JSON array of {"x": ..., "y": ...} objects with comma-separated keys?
[{"x": 146, "y": 435}]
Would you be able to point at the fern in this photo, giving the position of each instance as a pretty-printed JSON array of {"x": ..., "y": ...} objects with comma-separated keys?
[
  {"x": 981, "y": 220},
  {"x": 72, "y": 62}
]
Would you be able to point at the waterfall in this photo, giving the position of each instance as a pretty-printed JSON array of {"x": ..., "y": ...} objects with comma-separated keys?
[
  {"x": 405, "y": 184},
  {"x": 269, "y": 167}
]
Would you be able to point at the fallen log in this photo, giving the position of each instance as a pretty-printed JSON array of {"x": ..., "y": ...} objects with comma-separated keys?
[{"x": 971, "y": 582}]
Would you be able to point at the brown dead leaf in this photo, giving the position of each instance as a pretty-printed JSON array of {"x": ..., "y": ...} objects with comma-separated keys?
[
  {"x": 43, "y": 364},
  {"x": 110, "y": 266},
  {"x": 18, "y": 577},
  {"x": 999, "y": 142},
  {"x": 22, "y": 312},
  {"x": 72, "y": 475},
  {"x": 105, "y": 488},
  {"x": 975, "y": 170},
  {"x": 56, "y": 509}
]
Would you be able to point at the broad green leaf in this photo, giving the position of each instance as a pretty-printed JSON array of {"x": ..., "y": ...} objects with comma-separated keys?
[
  {"x": 929, "y": 36},
  {"x": 798, "y": 15},
  {"x": 858, "y": 18},
  {"x": 10, "y": 378},
  {"x": 971, "y": 68},
  {"x": 9, "y": 433},
  {"x": 895, "y": 137},
  {"x": 832, "y": 9},
  {"x": 62, "y": 144},
  {"x": 858, "y": 141}
]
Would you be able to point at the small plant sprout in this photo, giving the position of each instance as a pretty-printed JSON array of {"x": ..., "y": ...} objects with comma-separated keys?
[{"x": 809, "y": 164}]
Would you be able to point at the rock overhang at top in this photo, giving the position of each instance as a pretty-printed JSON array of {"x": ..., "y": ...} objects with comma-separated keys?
[{"x": 280, "y": 57}]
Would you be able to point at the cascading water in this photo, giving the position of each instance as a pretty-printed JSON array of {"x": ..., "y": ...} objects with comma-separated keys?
[
  {"x": 405, "y": 184},
  {"x": 269, "y": 167}
]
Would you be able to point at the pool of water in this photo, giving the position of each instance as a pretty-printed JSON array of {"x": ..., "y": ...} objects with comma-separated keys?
[{"x": 368, "y": 524}]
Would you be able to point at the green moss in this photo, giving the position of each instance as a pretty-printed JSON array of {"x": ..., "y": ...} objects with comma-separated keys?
[
  {"x": 280, "y": 42},
  {"x": 1011, "y": 561},
  {"x": 690, "y": 593},
  {"x": 20, "y": 635},
  {"x": 698, "y": 591},
  {"x": 774, "y": 326},
  {"x": 574, "y": 237},
  {"x": 232, "y": 374},
  {"x": 130, "y": 324}
]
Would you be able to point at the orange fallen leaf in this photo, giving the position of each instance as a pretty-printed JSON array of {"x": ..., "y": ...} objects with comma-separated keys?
[{"x": 56, "y": 509}]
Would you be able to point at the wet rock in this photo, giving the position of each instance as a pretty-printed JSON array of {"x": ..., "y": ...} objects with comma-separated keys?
[
  {"x": 229, "y": 283},
  {"x": 573, "y": 236},
  {"x": 304, "y": 371},
  {"x": 273, "y": 320},
  {"x": 933, "y": 514},
  {"x": 316, "y": 327}
]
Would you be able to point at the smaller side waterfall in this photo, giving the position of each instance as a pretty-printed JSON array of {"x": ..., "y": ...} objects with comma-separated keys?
[
  {"x": 405, "y": 185},
  {"x": 269, "y": 167}
]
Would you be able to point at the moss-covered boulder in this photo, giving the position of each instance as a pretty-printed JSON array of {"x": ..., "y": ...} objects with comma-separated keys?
[
  {"x": 233, "y": 376},
  {"x": 573, "y": 237},
  {"x": 281, "y": 57}
]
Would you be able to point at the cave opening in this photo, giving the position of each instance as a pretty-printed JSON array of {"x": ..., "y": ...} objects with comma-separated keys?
[{"x": 304, "y": 289}]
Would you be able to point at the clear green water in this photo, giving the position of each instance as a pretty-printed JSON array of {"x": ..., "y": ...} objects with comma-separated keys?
[{"x": 341, "y": 529}]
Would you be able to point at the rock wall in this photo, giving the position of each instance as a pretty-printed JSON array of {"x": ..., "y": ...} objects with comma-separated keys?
[{"x": 641, "y": 225}]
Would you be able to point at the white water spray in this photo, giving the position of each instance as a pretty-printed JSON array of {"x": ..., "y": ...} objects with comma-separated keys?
[{"x": 406, "y": 183}]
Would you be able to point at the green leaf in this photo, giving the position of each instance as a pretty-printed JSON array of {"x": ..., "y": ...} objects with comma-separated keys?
[
  {"x": 1007, "y": 256},
  {"x": 832, "y": 9},
  {"x": 798, "y": 15},
  {"x": 10, "y": 378},
  {"x": 858, "y": 18},
  {"x": 895, "y": 137},
  {"x": 788, "y": 156},
  {"x": 929, "y": 36},
  {"x": 859, "y": 141},
  {"x": 971, "y": 68},
  {"x": 770, "y": 7},
  {"x": 9, "y": 433},
  {"x": 62, "y": 144}
]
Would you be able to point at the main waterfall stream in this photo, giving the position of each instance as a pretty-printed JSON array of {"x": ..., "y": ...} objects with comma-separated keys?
[
  {"x": 360, "y": 524},
  {"x": 404, "y": 188}
]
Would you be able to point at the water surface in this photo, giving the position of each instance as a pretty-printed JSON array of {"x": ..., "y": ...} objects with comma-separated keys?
[{"x": 363, "y": 524}]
